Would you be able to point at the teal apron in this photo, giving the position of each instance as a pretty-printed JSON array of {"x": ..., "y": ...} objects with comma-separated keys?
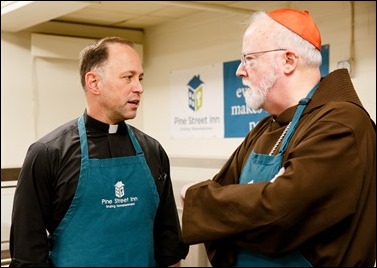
[
  {"x": 111, "y": 217},
  {"x": 260, "y": 168}
]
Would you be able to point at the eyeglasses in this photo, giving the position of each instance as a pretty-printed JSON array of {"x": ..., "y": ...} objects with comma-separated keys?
[{"x": 245, "y": 61}]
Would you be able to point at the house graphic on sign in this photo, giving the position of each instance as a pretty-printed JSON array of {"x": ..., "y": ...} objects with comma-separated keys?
[{"x": 195, "y": 93}]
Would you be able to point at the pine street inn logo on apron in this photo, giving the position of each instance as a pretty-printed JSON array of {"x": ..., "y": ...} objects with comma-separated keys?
[
  {"x": 119, "y": 189},
  {"x": 119, "y": 200}
]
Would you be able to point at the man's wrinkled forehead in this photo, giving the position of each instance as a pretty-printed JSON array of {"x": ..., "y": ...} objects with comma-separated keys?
[{"x": 256, "y": 37}]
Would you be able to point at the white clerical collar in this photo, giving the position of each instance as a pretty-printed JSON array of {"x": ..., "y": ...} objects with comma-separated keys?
[{"x": 113, "y": 129}]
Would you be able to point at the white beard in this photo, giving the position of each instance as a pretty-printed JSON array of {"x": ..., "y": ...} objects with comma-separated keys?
[{"x": 256, "y": 95}]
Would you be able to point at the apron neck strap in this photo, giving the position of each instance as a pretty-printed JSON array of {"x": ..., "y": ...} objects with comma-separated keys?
[{"x": 301, "y": 106}]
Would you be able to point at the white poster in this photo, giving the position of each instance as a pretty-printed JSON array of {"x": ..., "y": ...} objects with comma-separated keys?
[{"x": 197, "y": 102}]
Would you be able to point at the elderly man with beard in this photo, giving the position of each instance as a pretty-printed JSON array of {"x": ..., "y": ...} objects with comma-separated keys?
[{"x": 300, "y": 190}]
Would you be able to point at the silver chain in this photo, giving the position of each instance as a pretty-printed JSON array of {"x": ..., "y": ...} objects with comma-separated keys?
[{"x": 280, "y": 139}]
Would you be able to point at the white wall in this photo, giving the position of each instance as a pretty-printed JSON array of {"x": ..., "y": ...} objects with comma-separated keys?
[
  {"x": 17, "y": 121},
  {"x": 7, "y": 194}
]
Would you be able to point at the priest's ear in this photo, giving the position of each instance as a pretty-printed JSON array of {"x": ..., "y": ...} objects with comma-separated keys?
[{"x": 92, "y": 80}]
